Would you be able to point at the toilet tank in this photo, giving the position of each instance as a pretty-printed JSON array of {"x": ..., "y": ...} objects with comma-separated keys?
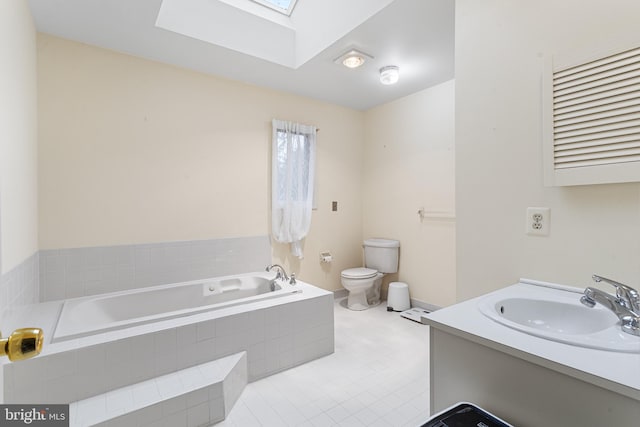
[{"x": 381, "y": 254}]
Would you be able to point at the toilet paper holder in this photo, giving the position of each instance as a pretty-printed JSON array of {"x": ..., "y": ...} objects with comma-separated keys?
[{"x": 325, "y": 257}]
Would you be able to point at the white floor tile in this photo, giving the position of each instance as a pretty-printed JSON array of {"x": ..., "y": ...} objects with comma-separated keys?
[
  {"x": 264, "y": 413},
  {"x": 367, "y": 398},
  {"x": 352, "y": 421},
  {"x": 322, "y": 420},
  {"x": 382, "y": 423},
  {"x": 418, "y": 420},
  {"x": 378, "y": 376},
  {"x": 309, "y": 410},
  {"x": 338, "y": 413},
  {"x": 241, "y": 416},
  {"x": 326, "y": 403},
  {"x": 367, "y": 416},
  {"x": 353, "y": 405}
]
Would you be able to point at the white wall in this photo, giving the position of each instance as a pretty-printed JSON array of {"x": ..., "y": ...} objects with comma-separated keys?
[
  {"x": 18, "y": 135},
  {"x": 133, "y": 151},
  {"x": 409, "y": 164},
  {"x": 500, "y": 47}
]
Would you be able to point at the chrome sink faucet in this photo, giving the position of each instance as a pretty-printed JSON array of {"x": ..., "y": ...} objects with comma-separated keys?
[
  {"x": 627, "y": 296},
  {"x": 281, "y": 274},
  {"x": 625, "y": 304}
]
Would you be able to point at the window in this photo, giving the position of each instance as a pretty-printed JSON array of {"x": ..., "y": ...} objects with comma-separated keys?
[
  {"x": 283, "y": 6},
  {"x": 294, "y": 160},
  {"x": 292, "y": 182},
  {"x": 297, "y": 147}
]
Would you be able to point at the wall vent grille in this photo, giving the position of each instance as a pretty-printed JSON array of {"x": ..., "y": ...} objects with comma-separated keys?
[{"x": 596, "y": 112}]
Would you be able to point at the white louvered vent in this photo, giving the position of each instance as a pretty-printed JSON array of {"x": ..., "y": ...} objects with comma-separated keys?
[
  {"x": 592, "y": 120},
  {"x": 596, "y": 117},
  {"x": 596, "y": 112}
]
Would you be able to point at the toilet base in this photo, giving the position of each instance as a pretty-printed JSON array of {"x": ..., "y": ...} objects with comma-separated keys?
[
  {"x": 358, "y": 301},
  {"x": 363, "y": 294}
]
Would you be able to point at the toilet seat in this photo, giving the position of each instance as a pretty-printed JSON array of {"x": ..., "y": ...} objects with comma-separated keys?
[{"x": 359, "y": 273}]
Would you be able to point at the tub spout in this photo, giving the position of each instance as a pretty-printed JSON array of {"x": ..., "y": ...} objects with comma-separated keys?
[{"x": 280, "y": 273}]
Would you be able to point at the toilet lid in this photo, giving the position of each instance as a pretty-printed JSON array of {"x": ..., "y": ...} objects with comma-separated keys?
[{"x": 359, "y": 273}]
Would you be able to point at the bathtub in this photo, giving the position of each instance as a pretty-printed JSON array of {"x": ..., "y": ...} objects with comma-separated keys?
[
  {"x": 126, "y": 338},
  {"x": 90, "y": 315}
]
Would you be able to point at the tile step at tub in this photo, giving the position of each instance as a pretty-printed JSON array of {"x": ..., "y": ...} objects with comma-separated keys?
[{"x": 197, "y": 396}]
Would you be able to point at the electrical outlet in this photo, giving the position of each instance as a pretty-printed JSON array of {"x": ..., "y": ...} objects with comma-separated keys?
[{"x": 538, "y": 221}]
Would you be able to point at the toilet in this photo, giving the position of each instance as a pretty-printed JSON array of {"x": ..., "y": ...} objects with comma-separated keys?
[{"x": 363, "y": 283}]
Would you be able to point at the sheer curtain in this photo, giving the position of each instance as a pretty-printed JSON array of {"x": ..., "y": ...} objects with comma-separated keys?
[{"x": 292, "y": 182}]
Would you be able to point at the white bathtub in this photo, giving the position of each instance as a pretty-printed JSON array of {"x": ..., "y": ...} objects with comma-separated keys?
[{"x": 84, "y": 316}]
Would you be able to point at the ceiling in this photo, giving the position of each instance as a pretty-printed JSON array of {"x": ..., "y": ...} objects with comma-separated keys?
[{"x": 416, "y": 35}]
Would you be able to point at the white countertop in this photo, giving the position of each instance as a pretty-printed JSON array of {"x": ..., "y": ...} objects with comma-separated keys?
[{"x": 615, "y": 371}]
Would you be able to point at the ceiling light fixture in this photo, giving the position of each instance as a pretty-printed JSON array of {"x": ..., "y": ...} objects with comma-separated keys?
[
  {"x": 353, "y": 61},
  {"x": 352, "y": 58},
  {"x": 389, "y": 75}
]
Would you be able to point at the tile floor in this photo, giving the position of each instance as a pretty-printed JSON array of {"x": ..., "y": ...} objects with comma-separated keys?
[{"x": 378, "y": 376}]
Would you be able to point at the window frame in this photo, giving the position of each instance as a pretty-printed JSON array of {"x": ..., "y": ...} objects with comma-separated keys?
[{"x": 288, "y": 11}]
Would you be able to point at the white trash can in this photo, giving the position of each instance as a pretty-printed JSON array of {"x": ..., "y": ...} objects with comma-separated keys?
[{"x": 398, "y": 297}]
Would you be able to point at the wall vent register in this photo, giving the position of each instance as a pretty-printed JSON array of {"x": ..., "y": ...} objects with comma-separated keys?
[{"x": 592, "y": 120}]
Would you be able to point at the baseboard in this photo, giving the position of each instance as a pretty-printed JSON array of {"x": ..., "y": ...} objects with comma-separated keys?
[
  {"x": 340, "y": 293},
  {"x": 424, "y": 305}
]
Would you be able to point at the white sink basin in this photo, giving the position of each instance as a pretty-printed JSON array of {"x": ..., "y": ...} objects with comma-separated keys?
[
  {"x": 558, "y": 315},
  {"x": 555, "y": 317}
]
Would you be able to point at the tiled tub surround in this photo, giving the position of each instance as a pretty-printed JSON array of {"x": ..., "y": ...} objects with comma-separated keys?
[
  {"x": 20, "y": 286},
  {"x": 71, "y": 273},
  {"x": 276, "y": 334}
]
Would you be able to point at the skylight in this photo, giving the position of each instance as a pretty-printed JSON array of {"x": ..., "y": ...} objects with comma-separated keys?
[
  {"x": 283, "y": 40},
  {"x": 283, "y": 6}
]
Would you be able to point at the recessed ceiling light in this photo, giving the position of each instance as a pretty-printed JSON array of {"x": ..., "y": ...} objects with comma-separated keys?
[
  {"x": 389, "y": 75},
  {"x": 353, "y": 61},
  {"x": 352, "y": 58}
]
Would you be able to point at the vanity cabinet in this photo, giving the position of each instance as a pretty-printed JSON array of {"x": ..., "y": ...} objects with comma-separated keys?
[
  {"x": 522, "y": 392},
  {"x": 526, "y": 380}
]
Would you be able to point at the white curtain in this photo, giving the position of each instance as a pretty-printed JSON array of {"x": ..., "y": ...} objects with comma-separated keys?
[{"x": 292, "y": 182}]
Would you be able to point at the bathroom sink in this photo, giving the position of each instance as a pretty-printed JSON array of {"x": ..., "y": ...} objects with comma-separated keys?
[
  {"x": 554, "y": 317},
  {"x": 558, "y": 315}
]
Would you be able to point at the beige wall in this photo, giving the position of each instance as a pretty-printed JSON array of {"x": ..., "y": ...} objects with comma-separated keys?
[
  {"x": 18, "y": 135},
  {"x": 500, "y": 48},
  {"x": 409, "y": 164},
  {"x": 133, "y": 151}
]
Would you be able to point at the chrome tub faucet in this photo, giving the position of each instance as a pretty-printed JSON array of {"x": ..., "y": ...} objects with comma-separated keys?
[
  {"x": 281, "y": 274},
  {"x": 625, "y": 304}
]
